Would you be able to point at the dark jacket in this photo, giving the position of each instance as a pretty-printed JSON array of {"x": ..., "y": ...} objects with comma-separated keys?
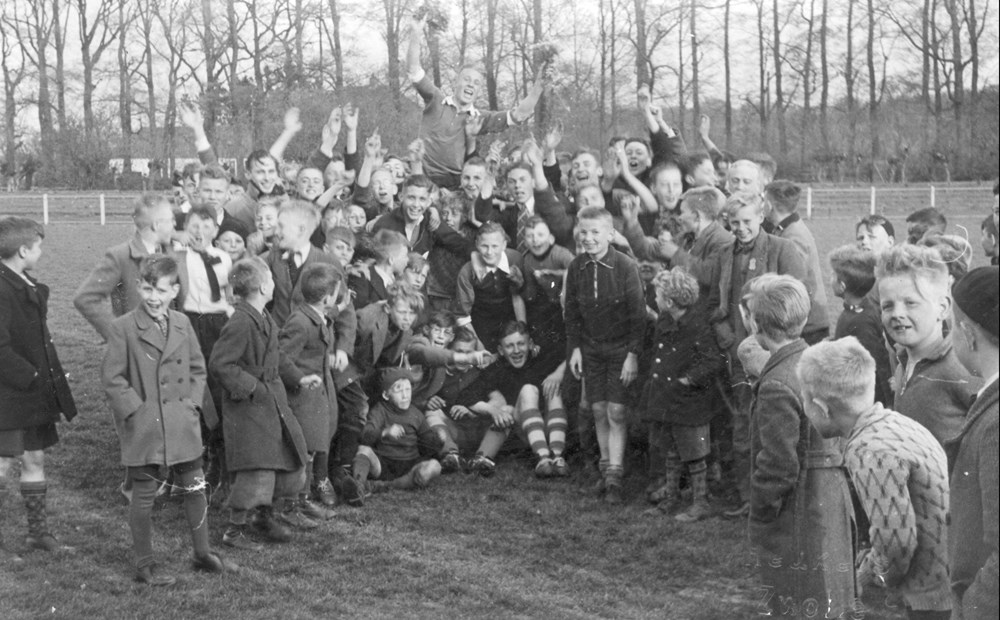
[
  {"x": 33, "y": 386},
  {"x": 259, "y": 428},
  {"x": 155, "y": 386},
  {"x": 769, "y": 254},
  {"x": 939, "y": 392},
  {"x": 547, "y": 206},
  {"x": 443, "y": 235},
  {"x": 288, "y": 295},
  {"x": 307, "y": 340},
  {"x": 683, "y": 348},
  {"x": 975, "y": 513},
  {"x": 800, "y": 506},
  {"x": 795, "y": 230}
]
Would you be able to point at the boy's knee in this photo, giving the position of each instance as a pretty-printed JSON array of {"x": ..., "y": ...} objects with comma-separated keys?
[
  {"x": 616, "y": 414},
  {"x": 527, "y": 398},
  {"x": 33, "y": 463},
  {"x": 425, "y": 472}
]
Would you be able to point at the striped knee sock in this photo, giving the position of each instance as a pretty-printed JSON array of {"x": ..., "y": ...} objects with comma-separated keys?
[
  {"x": 557, "y": 425},
  {"x": 534, "y": 429}
]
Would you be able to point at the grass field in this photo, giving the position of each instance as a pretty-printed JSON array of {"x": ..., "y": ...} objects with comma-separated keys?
[{"x": 510, "y": 546}]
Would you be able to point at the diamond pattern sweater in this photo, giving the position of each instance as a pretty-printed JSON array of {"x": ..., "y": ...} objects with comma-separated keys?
[{"x": 900, "y": 473}]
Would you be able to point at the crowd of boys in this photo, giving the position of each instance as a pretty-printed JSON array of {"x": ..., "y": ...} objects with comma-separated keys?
[{"x": 365, "y": 322}]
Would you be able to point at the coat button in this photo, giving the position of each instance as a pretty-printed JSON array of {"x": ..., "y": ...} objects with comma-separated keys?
[
  {"x": 656, "y": 376},
  {"x": 657, "y": 360},
  {"x": 661, "y": 345}
]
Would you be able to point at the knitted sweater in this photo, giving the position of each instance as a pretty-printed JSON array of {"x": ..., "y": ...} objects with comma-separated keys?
[{"x": 900, "y": 473}]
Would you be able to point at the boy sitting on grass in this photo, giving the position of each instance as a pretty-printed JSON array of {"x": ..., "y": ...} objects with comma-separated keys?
[
  {"x": 33, "y": 387},
  {"x": 931, "y": 385},
  {"x": 154, "y": 376},
  {"x": 680, "y": 397},
  {"x": 899, "y": 470},
  {"x": 265, "y": 449},
  {"x": 399, "y": 444}
]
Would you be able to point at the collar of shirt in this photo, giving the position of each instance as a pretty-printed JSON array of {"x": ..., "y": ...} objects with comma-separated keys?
[
  {"x": 942, "y": 349},
  {"x": 450, "y": 100},
  {"x": 151, "y": 248},
  {"x": 388, "y": 277},
  {"x": 529, "y": 205},
  {"x": 481, "y": 269},
  {"x": 746, "y": 248},
  {"x": 855, "y": 308},
  {"x": 785, "y": 223},
  {"x": 604, "y": 261},
  {"x": 303, "y": 255},
  {"x": 989, "y": 381}
]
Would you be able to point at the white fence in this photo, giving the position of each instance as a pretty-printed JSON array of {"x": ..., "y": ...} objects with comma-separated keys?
[{"x": 817, "y": 202}]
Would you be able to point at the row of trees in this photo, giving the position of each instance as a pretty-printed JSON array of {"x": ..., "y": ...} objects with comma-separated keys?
[{"x": 814, "y": 82}]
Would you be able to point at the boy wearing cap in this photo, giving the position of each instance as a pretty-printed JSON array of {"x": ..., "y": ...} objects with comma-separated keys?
[
  {"x": 899, "y": 472},
  {"x": 398, "y": 442},
  {"x": 972, "y": 544}
]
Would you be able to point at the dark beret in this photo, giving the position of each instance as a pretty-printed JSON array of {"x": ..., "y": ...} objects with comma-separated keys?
[{"x": 978, "y": 296}]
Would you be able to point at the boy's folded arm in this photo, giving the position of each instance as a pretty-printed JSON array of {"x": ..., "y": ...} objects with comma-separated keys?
[
  {"x": 894, "y": 534},
  {"x": 777, "y": 463},
  {"x": 376, "y": 423}
]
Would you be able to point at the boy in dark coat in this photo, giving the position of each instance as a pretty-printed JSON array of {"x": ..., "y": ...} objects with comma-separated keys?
[
  {"x": 154, "y": 376},
  {"x": 307, "y": 340},
  {"x": 800, "y": 505},
  {"x": 265, "y": 449},
  {"x": 972, "y": 540},
  {"x": 33, "y": 387},
  {"x": 686, "y": 362}
]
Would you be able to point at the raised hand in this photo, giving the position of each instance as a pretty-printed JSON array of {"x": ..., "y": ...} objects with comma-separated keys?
[
  {"x": 190, "y": 115},
  {"x": 373, "y": 146},
  {"x": 612, "y": 163},
  {"x": 553, "y": 136},
  {"x": 416, "y": 150},
  {"x": 292, "y": 122},
  {"x": 331, "y": 130},
  {"x": 704, "y": 124},
  {"x": 474, "y": 124},
  {"x": 630, "y": 208},
  {"x": 642, "y": 97},
  {"x": 351, "y": 113},
  {"x": 531, "y": 152}
]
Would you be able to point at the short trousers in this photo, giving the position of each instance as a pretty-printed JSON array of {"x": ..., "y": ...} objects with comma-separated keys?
[
  {"x": 602, "y": 371},
  {"x": 392, "y": 468},
  {"x": 690, "y": 443},
  {"x": 139, "y": 473},
  {"x": 17, "y": 441}
]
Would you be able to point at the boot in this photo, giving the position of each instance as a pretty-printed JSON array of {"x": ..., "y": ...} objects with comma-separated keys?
[
  {"x": 613, "y": 488},
  {"x": 39, "y": 536},
  {"x": 699, "y": 508},
  {"x": 268, "y": 528}
]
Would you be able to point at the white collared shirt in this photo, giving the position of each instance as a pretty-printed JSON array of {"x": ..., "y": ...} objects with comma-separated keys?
[
  {"x": 388, "y": 277},
  {"x": 481, "y": 269},
  {"x": 301, "y": 255},
  {"x": 198, "y": 298}
]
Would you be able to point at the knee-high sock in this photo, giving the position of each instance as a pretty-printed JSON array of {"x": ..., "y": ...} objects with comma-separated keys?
[
  {"x": 440, "y": 427},
  {"x": 33, "y": 494},
  {"x": 140, "y": 520},
  {"x": 361, "y": 467},
  {"x": 699, "y": 480},
  {"x": 534, "y": 430},
  {"x": 196, "y": 511},
  {"x": 617, "y": 435},
  {"x": 492, "y": 442},
  {"x": 603, "y": 428},
  {"x": 308, "y": 475},
  {"x": 557, "y": 425},
  {"x": 321, "y": 465}
]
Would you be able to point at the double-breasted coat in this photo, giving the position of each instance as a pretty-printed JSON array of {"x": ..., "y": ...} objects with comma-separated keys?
[
  {"x": 307, "y": 340},
  {"x": 259, "y": 428},
  {"x": 683, "y": 348},
  {"x": 155, "y": 385},
  {"x": 800, "y": 506},
  {"x": 33, "y": 386}
]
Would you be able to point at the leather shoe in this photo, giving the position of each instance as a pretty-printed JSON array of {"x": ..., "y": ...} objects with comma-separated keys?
[
  {"x": 149, "y": 576},
  {"x": 736, "y": 513},
  {"x": 214, "y": 563}
]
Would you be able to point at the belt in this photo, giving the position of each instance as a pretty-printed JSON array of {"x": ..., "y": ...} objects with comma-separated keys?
[{"x": 824, "y": 460}]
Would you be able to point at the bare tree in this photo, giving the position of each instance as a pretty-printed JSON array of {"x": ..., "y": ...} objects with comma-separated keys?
[
  {"x": 333, "y": 34},
  {"x": 13, "y": 67},
  {"x": 695, "y": 95},
  {"x": 60, "y": 24},
  {"x": 172, "y": 15},
  {"x": 849, "y": 80},
  {"x": 807, "y": 84},
  {"x": 35, "y": 32},
  {"x": 126, "y": 14},
  {"x": 872, "y": 88},
  {"x": 779, "y": 93},
  {"x": 728, "y": 75},
  {"x": 95, "y": 36},
  {"x": 824, "y": 96}
]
